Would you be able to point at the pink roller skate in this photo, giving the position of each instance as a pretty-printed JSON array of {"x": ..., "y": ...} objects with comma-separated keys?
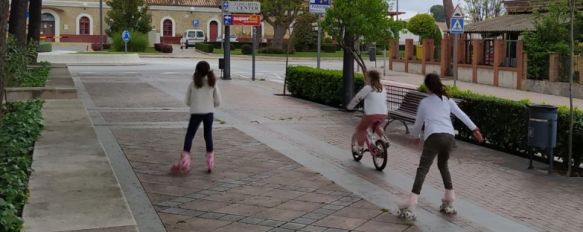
[
  {"x": 407, "y": 206},
  {"x": 447, "y": 203},
  {"x": 210, "y": 161},
  {"x": 182, "y": 166}
]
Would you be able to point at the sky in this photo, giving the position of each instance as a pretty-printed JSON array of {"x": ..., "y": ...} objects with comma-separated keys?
[{"x": 413, "y": 7}]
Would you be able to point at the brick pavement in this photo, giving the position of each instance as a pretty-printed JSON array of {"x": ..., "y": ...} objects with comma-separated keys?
[
  {"x": 495, "y": 181},
  {"x": 253, "y": 188}
]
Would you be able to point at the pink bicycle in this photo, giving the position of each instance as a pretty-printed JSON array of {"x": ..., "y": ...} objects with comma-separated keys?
[{"x": 378, "y": 149}]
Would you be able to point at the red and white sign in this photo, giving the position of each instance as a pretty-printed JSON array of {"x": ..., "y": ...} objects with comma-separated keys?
[{"x": 246, "y": 20}]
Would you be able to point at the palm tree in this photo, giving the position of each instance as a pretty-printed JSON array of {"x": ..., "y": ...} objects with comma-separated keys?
[
  {"x": 17, "y": 25},
  {"x": 34, "y": 22}
]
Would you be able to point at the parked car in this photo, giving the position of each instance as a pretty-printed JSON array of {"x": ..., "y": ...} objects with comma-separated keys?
[
  {"x": 191, "y": 37},
  {"x": 233, "y": 38}
]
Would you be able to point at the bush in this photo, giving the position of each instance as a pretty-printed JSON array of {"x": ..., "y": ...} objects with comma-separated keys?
[
  {"x": 18, "y": 58},
  {"x": 330, "y": 48},
  {"x": 97, "y": 47},
  {"x": 208, "y": 48},
  {"x": 137, "y": 43},
  {"x": 45, "y": 47},
  {"x": 505, "y": 124},
  {"x": 164, "y": 48},
  {"x": 269, "y": 50},
  {"x": 19, "y": 129},
  {"x": 319, "y": 85},
  {"x": 247, "y": 49}
]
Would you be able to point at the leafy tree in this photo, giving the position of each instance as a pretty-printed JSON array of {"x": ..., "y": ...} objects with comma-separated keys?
[
  {"x": 4, "y": 5},
  {"x": 304, "y": 36},
  {"x": 280, "y": 14},
  {"x": 422, "y": 25},
  {"x": 18, "y": 20},
  {"x": 480, "y": 10},
  {"x": 128, "y": 15},
  {"x": 551, "y": 34},
  {"x": 438, "y": 13},
  {"x": 364, "y": 19}
]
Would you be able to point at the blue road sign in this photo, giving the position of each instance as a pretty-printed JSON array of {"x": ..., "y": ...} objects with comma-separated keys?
[
  {"x": 195, "y": 22},
  {"x": 225, "y": 5},
  {"x": 228, "y": 20},
  {"x": 320, "y": 2},
  {"x": 456, "y": 25},
  {"x": 126, "y": 36}
]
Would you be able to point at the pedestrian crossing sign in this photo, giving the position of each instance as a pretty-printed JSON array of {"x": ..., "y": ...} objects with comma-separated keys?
[{"x": 456, "y": 25}]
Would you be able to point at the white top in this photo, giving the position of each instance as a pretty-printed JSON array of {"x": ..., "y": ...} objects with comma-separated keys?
[
  {"x": 203, "y": 100},
  {"x": 435, "y": 114},
  {"x": 374, "y": 102}
]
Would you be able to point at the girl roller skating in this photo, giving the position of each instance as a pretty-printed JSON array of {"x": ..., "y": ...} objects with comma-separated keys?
[
  {"x": 202, "y": 97},
  {"x": 433, "y": 124}
]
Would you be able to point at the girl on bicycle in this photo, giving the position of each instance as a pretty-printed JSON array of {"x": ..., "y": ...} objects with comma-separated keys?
[
  {"x": 375, "y": 107},
  {"x": 434, "y": 125},
  {"x": 202, "y": 97}
]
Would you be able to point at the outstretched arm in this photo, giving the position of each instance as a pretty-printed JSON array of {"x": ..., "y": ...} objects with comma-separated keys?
[
  {"x": 359, "y": 96},
  {"x": 455, "y": 109}
]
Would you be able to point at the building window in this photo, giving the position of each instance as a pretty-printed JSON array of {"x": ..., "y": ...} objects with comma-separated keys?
[
  {"x": 84, "y": 26},
  {"x": 168, "y": 27}
]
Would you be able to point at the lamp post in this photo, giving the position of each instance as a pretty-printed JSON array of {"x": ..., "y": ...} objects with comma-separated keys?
[{"x": 101, "y": 25}]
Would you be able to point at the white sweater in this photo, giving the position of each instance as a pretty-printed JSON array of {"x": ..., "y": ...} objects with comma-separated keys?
[
  {"x": 203, "y": 100},
  {"x": 374, "y": 102},
  {"x": 435, "y": 114}
]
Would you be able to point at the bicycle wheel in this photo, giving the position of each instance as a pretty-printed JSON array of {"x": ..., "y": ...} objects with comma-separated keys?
[
  {"x": 355, "y": 152},
  {"x": 380, "y": 158}
]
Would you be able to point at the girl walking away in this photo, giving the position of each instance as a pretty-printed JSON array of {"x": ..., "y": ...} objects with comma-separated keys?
[
  {"x": 434, "y": 121},
  {"x": 203, "y": 96},
  {"x": 375, "y": 108}
]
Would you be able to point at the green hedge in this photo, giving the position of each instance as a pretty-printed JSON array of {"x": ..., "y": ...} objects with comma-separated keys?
[
  {"x": 208, "y": 48},
  {"x": 247, "y": 49},
  {"x": 19, "y": 129},
  {"x": 319, "y": 85},
  {"x": 329, "y": 48},
  {"x": 138, "y": 42},
  {"x": 45, "y": 47},
  {"x": 505, "y": 124}
]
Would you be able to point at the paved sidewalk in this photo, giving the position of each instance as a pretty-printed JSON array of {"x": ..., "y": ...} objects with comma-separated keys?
[
  {"x": 415, "y": 80},
  {"x": 254, "y": 188},
  {"x": 147, "y": 120}
]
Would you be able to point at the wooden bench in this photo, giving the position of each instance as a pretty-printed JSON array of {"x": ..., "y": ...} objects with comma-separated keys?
[{"x": 402, "y": 104}]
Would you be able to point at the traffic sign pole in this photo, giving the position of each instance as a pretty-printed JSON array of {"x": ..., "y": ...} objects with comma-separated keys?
[
  {"x": 455, "y": 59},
  {"x": 254, "y": 49},
  {"x": 319, "y": 41}
]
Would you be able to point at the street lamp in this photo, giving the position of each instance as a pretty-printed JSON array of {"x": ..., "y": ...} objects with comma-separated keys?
[
  {"x": 101, "y": 24},
  {"x": 192, "y": 9}
]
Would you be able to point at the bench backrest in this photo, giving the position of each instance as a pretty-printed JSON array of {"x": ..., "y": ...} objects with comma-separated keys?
[{"x": 403, "y": 99}]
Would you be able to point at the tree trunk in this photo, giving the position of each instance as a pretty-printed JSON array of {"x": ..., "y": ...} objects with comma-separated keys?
[
  {"x": 279, "y": 31},
  {"x": 35, "y": 10},
  {"x": 348, "y": 70},
  {"x": 3, "y": 22},
  {"x": 18, "y": 20},
  {"x": 449, "y": 8}
]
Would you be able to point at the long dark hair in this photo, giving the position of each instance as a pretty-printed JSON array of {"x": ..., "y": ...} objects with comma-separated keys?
[
  {"x": 375, "y": 80},
  {"x": 203, "y": 69},
  {"x": 433, "y": 83}
]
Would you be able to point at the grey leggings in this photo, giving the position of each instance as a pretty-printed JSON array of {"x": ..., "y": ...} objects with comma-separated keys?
[{"x": 439, "y": 145}]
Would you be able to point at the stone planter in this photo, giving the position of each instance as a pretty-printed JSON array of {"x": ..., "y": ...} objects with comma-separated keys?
[{"x": 60, "y": 85}]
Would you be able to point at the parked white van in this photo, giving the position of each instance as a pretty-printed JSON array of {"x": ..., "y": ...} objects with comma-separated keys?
[{"x": 191, "y": 37}]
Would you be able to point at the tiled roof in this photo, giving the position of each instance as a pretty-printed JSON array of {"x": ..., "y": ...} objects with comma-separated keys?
[
  {"x": 199, "y": 3},
  {"x": 505, "y": 23},
  {"x": 529, "y": 6}
]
